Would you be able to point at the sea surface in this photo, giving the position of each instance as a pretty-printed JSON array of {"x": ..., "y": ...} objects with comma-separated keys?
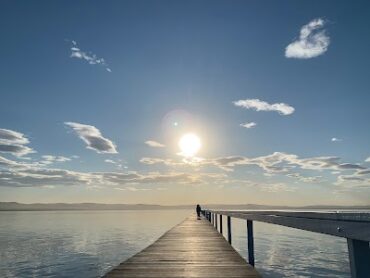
[{"x": 89, "y": 243}]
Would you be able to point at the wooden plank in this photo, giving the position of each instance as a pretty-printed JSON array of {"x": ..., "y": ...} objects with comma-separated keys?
[{"x": 194, "y": 248}]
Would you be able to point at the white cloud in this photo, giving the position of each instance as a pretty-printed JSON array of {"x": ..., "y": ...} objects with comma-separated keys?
[
  {"x": 367, "y": 159},
  {"x": 312, "y": 41},
  {"x": 14, "y": 142},
  {"x": 313, "y": 179},
  {"x": 259, "y": 105},
  {"x": 110, "y": 161},
  {"x": 334, "y": 139},
  {"x": 50, "y": 159},
  {"x": 154, "y": 144},
  {"x": 274, "y": 163},
  {"x": 13, "y": 137},
  {"x": 90, "y": 57},
  {"x": 248, "y": 125},
  {"x": 93, "y": 138}
]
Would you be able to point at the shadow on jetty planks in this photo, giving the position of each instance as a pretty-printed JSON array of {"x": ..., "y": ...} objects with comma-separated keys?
[{"x": 193, "y": 248}]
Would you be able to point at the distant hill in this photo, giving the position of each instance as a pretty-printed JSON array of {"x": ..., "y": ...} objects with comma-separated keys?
[{"x": 14, "y": 206}]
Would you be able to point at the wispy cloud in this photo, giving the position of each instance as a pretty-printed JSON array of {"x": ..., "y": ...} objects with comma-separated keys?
[
  {"x": 110, "y": 161},
  {"x": 50, "y": 159},
  {"x": 277, "y": 187},
  {"x": 334, "y": 139},
  {"x": 93, "y": 138},
  {"x": 131, "y": 188},
  {"x": 248, "y": 125},
  {"x": 259, "y": 105},
  {"x": 312, "y": 179},
  {"x": 277, "y": 162},
  {"x": 154, "y": 144},
  {"x": 312, "y": 41},
  {"x": 14, "y": 142},
  {"x": 89, "y": 57}
]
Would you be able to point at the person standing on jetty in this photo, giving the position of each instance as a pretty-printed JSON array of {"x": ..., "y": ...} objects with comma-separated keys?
[{"x": 198, "y": 209}]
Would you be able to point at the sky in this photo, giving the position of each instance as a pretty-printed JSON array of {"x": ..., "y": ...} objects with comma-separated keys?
[{"x": 96, "y": 96}]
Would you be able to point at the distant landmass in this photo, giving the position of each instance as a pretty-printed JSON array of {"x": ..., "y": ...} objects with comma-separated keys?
[{"x": 14, "y": 206}]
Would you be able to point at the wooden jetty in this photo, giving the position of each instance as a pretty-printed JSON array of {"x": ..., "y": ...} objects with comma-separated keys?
[
  {"x": 197, "y": 248},
  {"x": 191, "y": 249}
]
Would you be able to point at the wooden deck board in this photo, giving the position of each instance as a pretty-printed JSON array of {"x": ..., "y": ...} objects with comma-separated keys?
[{"x": 191, "y": 249}]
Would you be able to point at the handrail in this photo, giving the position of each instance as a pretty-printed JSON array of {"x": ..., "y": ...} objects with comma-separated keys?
[{"x": 355, "y": 227}]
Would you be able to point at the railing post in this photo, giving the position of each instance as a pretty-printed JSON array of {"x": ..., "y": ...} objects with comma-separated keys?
[
  {"x": 250, "y": 242},
  {"x": 229, "y": 229},
  {"x": 216, "y": 221},
  {"x": 221, "y": 224},
  {"x": 359, "y": 257}
]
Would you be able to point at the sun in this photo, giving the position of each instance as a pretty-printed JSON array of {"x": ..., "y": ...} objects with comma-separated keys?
[{"x": 189, "y": 144}]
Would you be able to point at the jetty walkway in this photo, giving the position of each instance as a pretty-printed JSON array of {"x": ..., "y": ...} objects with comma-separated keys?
[
  {"x": 193, "y": 248},
  {"x": 197, "y": 248}
]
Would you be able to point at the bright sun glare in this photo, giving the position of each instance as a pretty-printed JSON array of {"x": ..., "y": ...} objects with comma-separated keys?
[{"x": 189, "y": 144}]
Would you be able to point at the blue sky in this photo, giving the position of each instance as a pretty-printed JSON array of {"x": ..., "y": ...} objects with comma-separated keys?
[{"x": 86, "y": 82}]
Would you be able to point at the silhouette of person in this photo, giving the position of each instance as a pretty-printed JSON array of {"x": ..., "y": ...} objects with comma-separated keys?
[{"x": 198, "y": 210}]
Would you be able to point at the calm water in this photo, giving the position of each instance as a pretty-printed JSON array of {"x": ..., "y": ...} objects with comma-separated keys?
[{"x": 88, "y": 243}]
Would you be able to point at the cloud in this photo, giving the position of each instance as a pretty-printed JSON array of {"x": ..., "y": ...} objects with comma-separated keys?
[
  {"x": 277, "y": 187},
  {"x": 364, "y": 172},
  {"x": 154, "y": 144},
  {"x": 334, "y": 139},
  {"x": 90, "y": 57},
  {"x": 35, "y": 177},
  {"x": 13, "y": 137},
  {"x": 275, "y": 163},
  {"x": 259, "y": 105},
  {"x": 248, "y": 125},
  {"x": 50, "y": 159},
  {"x": 367, "y": 159},
  {"x": 312, "y": 41},
  {"x": 133, "y": 189},
  {"x": 298, "y": 176},
  {"x": 14, "y": 142},
  {"x": 36, "y": 174},
  {"x": 93, "y": 138},
  {"x": 110, "y": 161}
]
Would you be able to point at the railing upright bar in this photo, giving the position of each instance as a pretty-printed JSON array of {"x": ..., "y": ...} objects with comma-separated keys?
[
  {"x": 229, "y": 229},
  {"x": 221, "y": 224},
  {"x": 250, "y": 242},
  {"x": 359, "y": 258}
]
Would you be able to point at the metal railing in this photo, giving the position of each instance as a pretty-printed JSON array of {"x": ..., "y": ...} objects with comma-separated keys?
[{"x": 355, "y": 227}]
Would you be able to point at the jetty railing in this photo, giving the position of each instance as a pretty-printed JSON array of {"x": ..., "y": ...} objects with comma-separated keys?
[{"x": 355, "y": 227}]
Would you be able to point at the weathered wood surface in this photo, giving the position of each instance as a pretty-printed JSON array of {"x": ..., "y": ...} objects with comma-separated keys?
[{"x": 193, "y": 248}]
